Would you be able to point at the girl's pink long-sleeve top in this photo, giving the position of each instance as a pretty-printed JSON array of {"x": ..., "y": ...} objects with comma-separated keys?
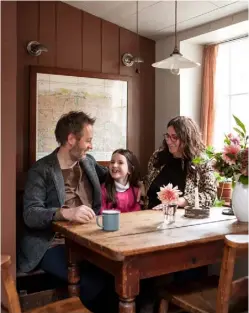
[{"x": 125, "y": 201}]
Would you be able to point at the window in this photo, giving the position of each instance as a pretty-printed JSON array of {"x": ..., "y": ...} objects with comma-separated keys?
[{"x": 231, "y": 88}]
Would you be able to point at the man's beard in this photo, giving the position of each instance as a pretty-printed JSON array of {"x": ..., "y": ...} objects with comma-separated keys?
[{"x": 76, "y": 153}]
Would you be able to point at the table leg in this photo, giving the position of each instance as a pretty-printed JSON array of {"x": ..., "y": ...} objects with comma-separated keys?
[
  {"x": 127, "y": 286},
  {"x": 73, "y": 280},
  {"x": 73, "y": 260},
  {"x": 127, "y": 305}
]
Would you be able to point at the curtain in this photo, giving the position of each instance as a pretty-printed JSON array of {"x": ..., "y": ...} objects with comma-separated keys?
[{"x": 208, "y": 85}]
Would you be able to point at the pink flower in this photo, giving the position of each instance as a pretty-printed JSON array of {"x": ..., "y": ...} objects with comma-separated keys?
[
  {"x": 234, "y": 139},
  {"x": 230, "y": 154},
  {"x": 168, "y": 194},
  {"x": 244, "y": 162}
]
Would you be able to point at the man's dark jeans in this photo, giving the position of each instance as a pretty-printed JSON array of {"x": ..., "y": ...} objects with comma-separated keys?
[{"x": 93, "y": 280}]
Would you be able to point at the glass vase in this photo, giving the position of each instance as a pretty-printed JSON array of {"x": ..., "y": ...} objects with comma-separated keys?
[{"x": 169, "y": 210}]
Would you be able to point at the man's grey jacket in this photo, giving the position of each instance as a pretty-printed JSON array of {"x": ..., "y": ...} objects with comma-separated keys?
[{"x": 44, "y": 194}]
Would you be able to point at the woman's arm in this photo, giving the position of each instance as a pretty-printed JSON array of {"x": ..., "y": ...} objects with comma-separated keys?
[
  {"x": 182, "y": 202},
  {"x": 150, "y": 171},
  {"x": 206, "y": 185}
]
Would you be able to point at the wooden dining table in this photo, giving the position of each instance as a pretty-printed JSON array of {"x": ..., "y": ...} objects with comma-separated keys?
[{"x": 140, "y": 250}]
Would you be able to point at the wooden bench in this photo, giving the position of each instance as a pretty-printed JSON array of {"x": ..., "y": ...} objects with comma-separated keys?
[
  {"x": 215, "y": 294},
  {"x": 72, "y": 305},
  {"x": 35, "y": 288}
]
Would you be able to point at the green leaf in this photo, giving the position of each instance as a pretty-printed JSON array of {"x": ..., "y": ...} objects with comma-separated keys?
[
  {"x": 198, "y": 160},
  {"x": 210, "y": 149},
  {"x": 227, "y": 141},
  {"x": 231, "y": 156},
  {"x": 239, "y": 132},
  {"x": 219, "y": 203},
  {"x": 218, "y": 177},
  {"x": 239, "y": 123},
  {"x": 246, "y": 139},
  {"x": 233, "y": 183},
  {"x": 243, "y": 179},
  {"x": 209, "y": 154}
]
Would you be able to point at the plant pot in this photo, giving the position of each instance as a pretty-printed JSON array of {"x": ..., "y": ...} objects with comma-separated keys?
[
  {"x": 240, "y": 202},
  {"x": 224, "y": 191}
]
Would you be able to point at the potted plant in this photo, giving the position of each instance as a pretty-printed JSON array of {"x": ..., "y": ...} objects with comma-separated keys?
[
  {"x": 224, "y": 190},
  {"x": 231, "y": 164}
]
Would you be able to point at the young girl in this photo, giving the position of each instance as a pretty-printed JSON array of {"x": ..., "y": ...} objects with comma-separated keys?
[{"x": 120, "y": 190}]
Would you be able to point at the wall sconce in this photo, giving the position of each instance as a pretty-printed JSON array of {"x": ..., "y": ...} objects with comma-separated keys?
[
  {"x": 129, "y": 60},
  {"x": 34, "y": 48}
]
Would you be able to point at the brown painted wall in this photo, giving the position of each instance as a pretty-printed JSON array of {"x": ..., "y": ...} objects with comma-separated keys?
[
  {"x": 78, "y": 40},
  {"x": 8, "y": 129}
]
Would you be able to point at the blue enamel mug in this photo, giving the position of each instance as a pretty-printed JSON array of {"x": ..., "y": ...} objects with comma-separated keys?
[{"x": 110, "y": 220}]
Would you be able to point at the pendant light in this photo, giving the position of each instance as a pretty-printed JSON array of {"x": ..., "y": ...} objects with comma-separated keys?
[
  {"x": 127, "y": 58},
  {"x": 175, "y": 61}
]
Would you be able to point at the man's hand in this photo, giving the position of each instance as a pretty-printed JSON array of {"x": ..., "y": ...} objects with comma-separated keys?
[{"x": 81, "y": 214}]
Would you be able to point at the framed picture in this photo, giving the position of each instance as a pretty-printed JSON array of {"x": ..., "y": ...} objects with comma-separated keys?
[{"x": 54, "y": 92}]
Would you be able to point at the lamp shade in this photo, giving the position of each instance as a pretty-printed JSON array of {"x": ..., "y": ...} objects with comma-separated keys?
[{"x": 175, "y": 61}]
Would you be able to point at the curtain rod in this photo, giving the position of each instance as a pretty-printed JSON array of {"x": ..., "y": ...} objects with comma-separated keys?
[{"x": 229, "y": 40}]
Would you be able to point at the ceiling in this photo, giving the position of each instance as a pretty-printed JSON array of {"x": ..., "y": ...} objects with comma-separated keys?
[
  {"x": 238, "y": 30},
  {"x": 156, "y": 18}
]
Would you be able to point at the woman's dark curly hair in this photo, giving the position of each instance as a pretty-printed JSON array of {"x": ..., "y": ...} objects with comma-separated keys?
[
  {"x": 190, "y": 137},
  {"x": 133, "y": 178}
]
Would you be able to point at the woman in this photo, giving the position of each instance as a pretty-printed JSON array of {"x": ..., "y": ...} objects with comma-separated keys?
[{"x": 172, "y": 163}]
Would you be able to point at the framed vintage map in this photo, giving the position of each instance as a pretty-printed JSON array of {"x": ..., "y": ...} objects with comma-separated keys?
[{"x": 102, "y": 98}]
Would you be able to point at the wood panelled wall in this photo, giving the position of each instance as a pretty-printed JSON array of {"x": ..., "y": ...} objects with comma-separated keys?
[
  {"x": 78, "y": 40},
  {"x": 8, "y": 129}
]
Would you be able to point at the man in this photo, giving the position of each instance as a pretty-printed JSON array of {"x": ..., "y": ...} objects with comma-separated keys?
[{"x": 64, "y": 185}]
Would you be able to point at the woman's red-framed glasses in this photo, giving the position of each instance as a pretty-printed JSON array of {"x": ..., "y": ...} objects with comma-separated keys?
[{"x": 172, "y": 137}]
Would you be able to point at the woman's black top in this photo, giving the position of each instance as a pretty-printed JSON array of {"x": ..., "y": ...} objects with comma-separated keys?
[{"x": 174, "y": 172}]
